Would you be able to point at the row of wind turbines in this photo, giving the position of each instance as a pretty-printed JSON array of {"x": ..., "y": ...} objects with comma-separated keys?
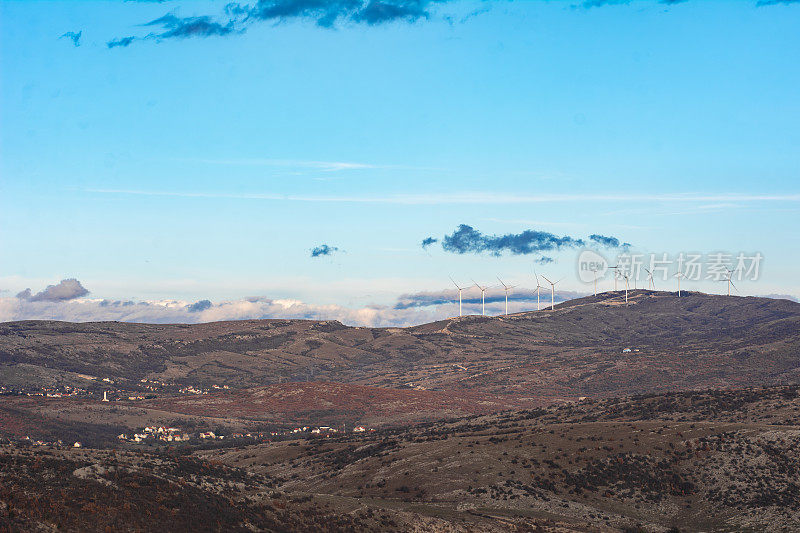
[
  {"x": 539, "y": 287},
  {"x": 507, "y": 289}
]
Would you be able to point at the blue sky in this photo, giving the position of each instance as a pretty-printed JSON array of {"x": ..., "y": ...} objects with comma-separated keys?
[{"x": 209, "y": 167}]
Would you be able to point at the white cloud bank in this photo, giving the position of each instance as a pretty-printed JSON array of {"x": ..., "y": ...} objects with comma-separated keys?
[
  {"x": 174, "y": 311},
  {"x": 67, "y": 302}
]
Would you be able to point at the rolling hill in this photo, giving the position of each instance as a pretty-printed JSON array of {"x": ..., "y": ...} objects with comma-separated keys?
[{"x": 696, "y": 341}]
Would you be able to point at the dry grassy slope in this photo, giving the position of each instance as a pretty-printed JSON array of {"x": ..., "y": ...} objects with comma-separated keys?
[
  {"x": 704, "y": 461},
  {"x": 691, "y": 342},
  {"x": 94, "y": 490},
  {"x": 336, "y": 403}
]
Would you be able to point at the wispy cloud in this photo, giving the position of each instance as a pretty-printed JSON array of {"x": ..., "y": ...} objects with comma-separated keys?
[
  {"x": 776, "y": 2},
  {"x": 324, "y": 166},
  {"x": 121, "y": 42},
  {"x": 182, "y": 27},
  {"x": 75, "y": 37},
  {"x": 468, "y": 197},
  {"x": 428, "y": 241},
  {"x": 602, "y": 3}
]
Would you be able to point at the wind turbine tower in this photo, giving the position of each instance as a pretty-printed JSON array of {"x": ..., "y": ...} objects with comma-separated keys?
[
  {"x": 505, "y": 288},
  {"x": 729, "y": 280},
  {"x": 650, "y": 283},
  {"x": 552, "y": 292},
  {"x": 483, "y": 297},
  {"x": 625, "y": 275},
  {"x": 615, "y": 268},
  {"x": 679, "y": 275},
  {"x": 459, "y": 295},
  {"x": 538, "y": 288}
]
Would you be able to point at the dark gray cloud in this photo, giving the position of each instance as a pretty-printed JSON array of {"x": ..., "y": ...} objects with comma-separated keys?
[
  {"x": 116, "y": 303},
  {"x": 429, "y": 241},
  {"x": 325, "y": 13},
  {"x": 467, "y": 240},
  {"x": 608, "y": 242},
  {"x": 473, "y": 297},
  {"x": 198, "y": 306},
  {"x": 173, "y": 27},
  {"x": 122, "y": 41},
  {"x": 75, "y": 37},
  {"x": 376, "y": 12},
  {"x": 323, "y": 249},
  {"x": 237, "y": 17},
  {"x": 66, "y": 289}
]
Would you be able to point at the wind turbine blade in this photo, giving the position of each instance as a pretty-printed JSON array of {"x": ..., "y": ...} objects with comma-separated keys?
[
  {"x": 547, "y": 280},
  {"x": 454, "y": 283},
  {"x": 559, "y": 281},
  {"x": 734, "y": 286}
]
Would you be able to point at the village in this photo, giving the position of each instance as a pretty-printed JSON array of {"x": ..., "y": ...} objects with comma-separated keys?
[
  {"x": 161, "y": 434},
  {"x": 157, "y": 435},
  {"x": 109, "y": 389}
]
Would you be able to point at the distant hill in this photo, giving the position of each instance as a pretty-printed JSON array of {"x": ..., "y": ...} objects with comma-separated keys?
[{"x": 696, "y": 341}]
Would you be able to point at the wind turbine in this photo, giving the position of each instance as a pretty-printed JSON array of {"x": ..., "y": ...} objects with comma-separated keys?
[
  {"x": 552, "y": 291},
  {"x": 679, "y": 275},
  {"x": 625, "y": 275},
  {"x": 615, "y": 267},
  {"x": 730, "y": 281},
  {"x": 595, "y": 281},
  {"x": 483, "y": 297},
  {"x": 650, "y": 283},
  {"x": 459, "y": 295},
  {"x": 538, "y": 288},
  {"x": 505, "y": 288}
]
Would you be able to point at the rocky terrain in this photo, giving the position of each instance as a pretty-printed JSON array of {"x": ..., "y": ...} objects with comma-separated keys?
[
  {"x": 695, "y": 461},
  {"x": 696, "y": 341},
  {"x": 667, "y": 414}
]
